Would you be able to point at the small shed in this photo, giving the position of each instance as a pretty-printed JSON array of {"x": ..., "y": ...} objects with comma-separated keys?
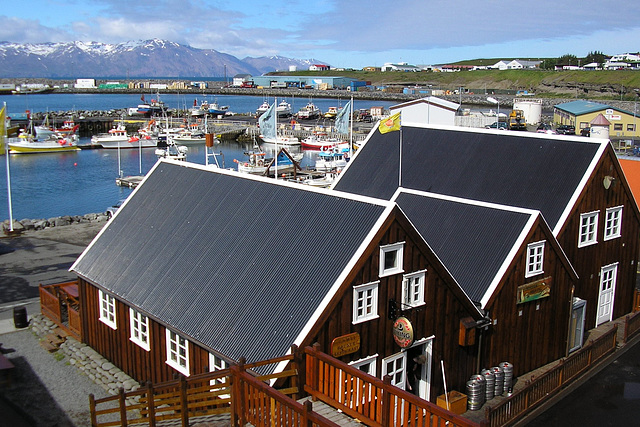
[
  {"x": 429, "y": 110},
  {"x": 600, "y": 127}
]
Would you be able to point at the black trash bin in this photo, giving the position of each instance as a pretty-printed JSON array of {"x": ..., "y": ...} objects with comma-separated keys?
[{"x": 20, "y": 317}]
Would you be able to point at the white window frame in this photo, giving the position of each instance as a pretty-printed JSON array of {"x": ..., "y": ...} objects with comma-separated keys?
[
  {"x": 139, "y": 327},
  {"x": 412, "y": 291},
  {"x": 402, "y": 371},
  {"x": 588, "y": 236},
  {"x": 398, "y": 267},
  {"x": 369, "y": 360},
  {"x": 108, "y": 309},
  {"x": 613, "y": 223},
  {"x": 178, "y": 361},
  {"x": 365, "y": 296},
  {"x": 535, "y": 259}
]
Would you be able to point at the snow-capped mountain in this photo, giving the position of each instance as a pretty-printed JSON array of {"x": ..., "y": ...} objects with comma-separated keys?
[{"x": 134, "y": 59}]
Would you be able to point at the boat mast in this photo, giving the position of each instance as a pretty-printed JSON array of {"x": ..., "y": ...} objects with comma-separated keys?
[
  {"x": 6, "y": 152},
  {"x": 275, "y": 103}
]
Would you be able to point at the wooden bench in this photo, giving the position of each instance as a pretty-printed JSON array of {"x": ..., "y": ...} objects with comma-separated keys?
[{"x": 6, "y": 367}]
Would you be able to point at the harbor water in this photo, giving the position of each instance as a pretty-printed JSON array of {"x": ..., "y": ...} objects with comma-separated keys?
[{"x": 76, "y": 183}]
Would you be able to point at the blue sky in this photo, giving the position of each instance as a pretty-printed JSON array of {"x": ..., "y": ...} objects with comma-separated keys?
[{"x": 347, "y": 33}]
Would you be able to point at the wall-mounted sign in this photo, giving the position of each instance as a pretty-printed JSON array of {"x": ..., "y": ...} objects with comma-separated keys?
[
  {"x": 345, "y": 344},
  {"x": 403, "y": 332},
  {"x": 534, "y": 290}
]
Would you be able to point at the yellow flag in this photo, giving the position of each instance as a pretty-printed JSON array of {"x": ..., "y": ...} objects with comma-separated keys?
[{"x": 390, "y": 124}]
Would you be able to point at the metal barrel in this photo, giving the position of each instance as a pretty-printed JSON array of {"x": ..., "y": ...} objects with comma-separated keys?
[
  {"x": 475, "y": 394},
  {"x": 499, "y": 380},
  {"x": 489, "y": 380},
  {"x": 507, "y": 368}
]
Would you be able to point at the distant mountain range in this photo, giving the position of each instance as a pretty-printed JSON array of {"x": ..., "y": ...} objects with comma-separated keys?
[{"x": 138, "y": 59}]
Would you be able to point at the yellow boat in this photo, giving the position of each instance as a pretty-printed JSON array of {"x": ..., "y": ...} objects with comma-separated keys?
[{"x": 27, "y": 144}]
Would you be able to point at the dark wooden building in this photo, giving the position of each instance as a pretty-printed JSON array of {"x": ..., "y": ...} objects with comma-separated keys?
[
  {"x": 201, "y": 267},
  {"x": 576, "y": 183}
]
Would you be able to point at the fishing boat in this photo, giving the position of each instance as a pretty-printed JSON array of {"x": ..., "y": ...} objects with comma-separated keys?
[
  {"x": 258, "y": 164},
  {"x": 155, "y": 107},
  {"x": 45, "y": 129},
  {"x": 262, "y": 108},
  {"x": 118, "y": 137},
  {"x": 335, "y": 159},
  {"x": 321, "y": 141},
  {"x": 280, "y": 140},
  {"x": 190, "y": 137},
  {"x": 309, "y": 111},
  {"x": 199, "y": 110},
  {"x": 216, "y": 109},
  {"x": 172, "y": 150},
  {"x": 56, "y": 143},
  {"x": 283, "y": 109},
  {"x": 331, "y": 113}
]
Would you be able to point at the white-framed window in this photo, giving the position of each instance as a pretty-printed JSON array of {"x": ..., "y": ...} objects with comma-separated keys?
[
  {"x": 391, "y": 259},
  {"x": 139, "y": 325},
  {"x": 108, "y": 310},
  {"x": 613, "y": 223},
  {"x": 413, "y": 288},
  {"x": 535, "y": 259},
  {"x": 395, "y": 366},
  {"x": 366, "y": 365},
  {"x": 177, "y": 352},
  {"x": 217, "y": 363},
  {"x": 365, "y": 302},
  {"x": 588, "y": 229}
]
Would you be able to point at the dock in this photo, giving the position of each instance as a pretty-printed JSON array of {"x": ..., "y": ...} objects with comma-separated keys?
[{"x": 129, "y": 181}]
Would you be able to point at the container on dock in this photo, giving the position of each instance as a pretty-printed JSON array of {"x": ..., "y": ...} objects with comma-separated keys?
[
  {"x": 475, "y": 394},
  {"x": 498, "y": 380},
  {"x": 489, "y": 379},
  {"x": 507, "y": 368}
]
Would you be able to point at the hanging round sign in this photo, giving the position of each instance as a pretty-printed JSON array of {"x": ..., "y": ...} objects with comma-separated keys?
[{"x": 403, "y": 332}]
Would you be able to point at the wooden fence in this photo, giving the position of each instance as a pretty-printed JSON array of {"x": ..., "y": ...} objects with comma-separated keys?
[
  {"x": 636, "y": 300},
  {"x": 541, "y": 388},
  {"x": 231, "y": 394},
  {"x": 60, "y": 303},
  {"x": 372, "y": 401},
  {"x": 631, "y": 325}
]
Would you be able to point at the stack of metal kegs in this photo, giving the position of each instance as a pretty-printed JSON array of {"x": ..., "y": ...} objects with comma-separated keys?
[
  {"x": 489, "y": 381},
  {"x": 475, "y": 392},
  {"x": 498, "y": 375},
  {"x": 507, "y": 368}
]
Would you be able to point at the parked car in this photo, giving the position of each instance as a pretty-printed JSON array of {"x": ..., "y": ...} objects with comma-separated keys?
[
  {"x": 497, "y": 125},
  {"x": 566, "y": 130},
  {"x": 585, "y": 131},
  {"x": 111, "y": 210},
  {"x": 545, "y": 128}
]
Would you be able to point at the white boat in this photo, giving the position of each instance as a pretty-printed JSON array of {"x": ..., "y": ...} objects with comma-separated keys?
[
  {"x": 119, "y": 138},
  {"x": 281, "y": 140},
  {"x": 262, "y": 108},
  {"x": 190, "y": 137},
  {"x": 46, "y": 129},
  {"x": 323, "y": 182},
  {"x": 322, "y": 142},
  {"x": 333, "y": 160},
  {"x": 309, "y": 111},
  {"x": 258, "y": 164},
  {"x": 27, "y": 144},
  {"x": 332, "y": 112},
  {"x": 283, "y": 109},
  {"x": 172, "y": 151}
]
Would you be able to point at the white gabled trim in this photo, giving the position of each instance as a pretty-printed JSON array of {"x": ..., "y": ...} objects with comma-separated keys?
[
  {"x": 322, "y": 306},
  {"x": 583, "y": 183},
  {"x": 509, "y": 259}
]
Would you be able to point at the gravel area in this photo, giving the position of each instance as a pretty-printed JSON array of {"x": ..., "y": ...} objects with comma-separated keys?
[{"x": 45, "y": 390}]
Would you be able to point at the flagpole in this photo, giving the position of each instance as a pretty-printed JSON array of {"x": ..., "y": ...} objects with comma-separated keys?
[
  {"x": 400, "y": 161},
  {"x": 351, "y": 128},
  {"x": 275, "y": 111},
  {"x": 6, "y": 152}
]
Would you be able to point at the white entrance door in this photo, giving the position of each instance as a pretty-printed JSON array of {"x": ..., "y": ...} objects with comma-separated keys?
[
  {"x": 608, "y": 276},
  {"x": 419, "y": 367}
]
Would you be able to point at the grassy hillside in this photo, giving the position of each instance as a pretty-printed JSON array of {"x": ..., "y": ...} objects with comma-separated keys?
[{"x": 592, "y": 84}]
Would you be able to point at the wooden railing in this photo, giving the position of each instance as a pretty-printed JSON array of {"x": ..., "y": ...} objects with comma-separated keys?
[
  {"x": 372, "y": 401},
  {"x": 631, "y": 325},
  {"x": 232, "y": 392},
  {"x": 59, "y": 305},
  {"x": 541, "y": 388},
  {"x": 636, "y": 300}
]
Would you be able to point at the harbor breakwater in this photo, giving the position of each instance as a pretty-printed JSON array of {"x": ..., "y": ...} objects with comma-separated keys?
[{"x": 20, "y": 226}]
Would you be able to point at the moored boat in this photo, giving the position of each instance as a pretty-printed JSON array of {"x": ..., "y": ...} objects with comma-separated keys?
[
  {"x": 283, "y": 109},
  {"x": 27, "y": 144},
  {"x": 320, "y": 141},
  {"x": 262, "y": 108},
  {"x": 45, "y": 129},
  {"x": 281, "y": 140},
  {"x": 309, "y": 111},
  {"x": 335, "y": 159},
  {"x": 118, "y": 137}
]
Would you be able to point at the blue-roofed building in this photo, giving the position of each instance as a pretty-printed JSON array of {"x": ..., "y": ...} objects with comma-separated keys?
[{"x": 581, "y": 113}]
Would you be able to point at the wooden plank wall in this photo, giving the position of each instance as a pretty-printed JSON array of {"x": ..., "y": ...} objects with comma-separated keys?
[
  {"x": 440, "y": 317},
  {"x": 588, "y": 260},
  {"x": 116, "y": 346}
]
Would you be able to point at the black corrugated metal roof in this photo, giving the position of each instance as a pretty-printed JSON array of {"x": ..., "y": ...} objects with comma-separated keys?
[
  {"x": 509, "y": 168},
  {"x": 238, "y": 264},
  {"x": 472, "y": 240}
]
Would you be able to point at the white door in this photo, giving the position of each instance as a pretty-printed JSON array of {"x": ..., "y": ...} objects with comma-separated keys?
[
  {"x": 608, "y": 276},
  {"x": 419, "y": 368}
]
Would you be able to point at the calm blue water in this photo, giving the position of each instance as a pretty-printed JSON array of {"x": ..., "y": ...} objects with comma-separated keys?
[{"x": 55, "y": 184}]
